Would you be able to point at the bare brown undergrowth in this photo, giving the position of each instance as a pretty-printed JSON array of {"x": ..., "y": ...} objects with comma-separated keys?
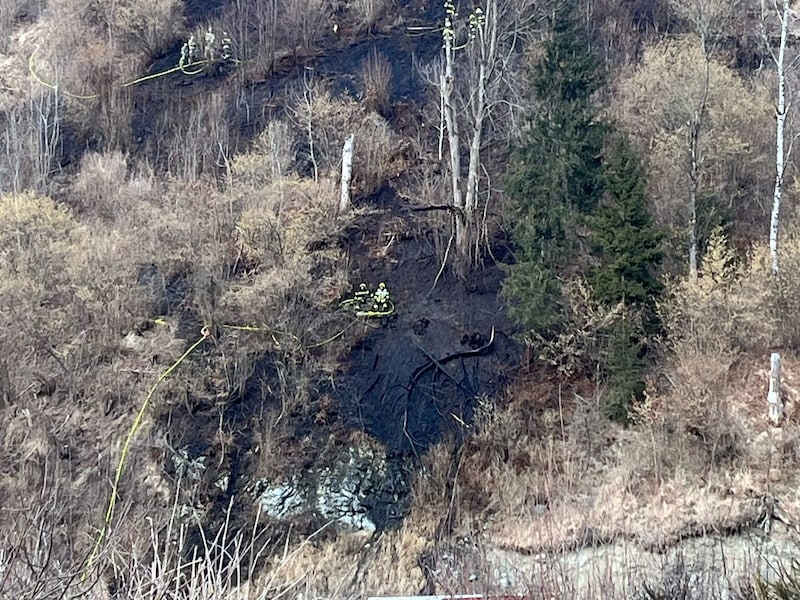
[
  {"x": 550, "y": 473},
  {"x": 107, "y": 280}
]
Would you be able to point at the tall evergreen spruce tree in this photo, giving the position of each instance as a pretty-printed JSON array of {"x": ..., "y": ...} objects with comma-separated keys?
[
  {"x": 628, "y": 248},
  {"x": 555, "y": 179},
  {"x": 568, "y": 182},
  {"x": 623, "y": 237}
]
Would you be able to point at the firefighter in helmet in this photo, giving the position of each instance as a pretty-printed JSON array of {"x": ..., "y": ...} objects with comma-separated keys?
[
  {"x": 227, "y": 52},
  {"x": 184, "y": 55},
  {"x": 381, "y": 297},
  {"x": 210, "y": 45},
  {"x": 362, "y": 296},
  {"x": 191, "y": 50}
]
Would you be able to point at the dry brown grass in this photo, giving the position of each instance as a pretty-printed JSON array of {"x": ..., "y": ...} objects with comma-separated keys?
[
  {"x": 10, "y": 12},
  {"x": 376, "y": 71},
  {"x": 89, "y": 51},
  {"x": 367, "y": 12},
  {"x": 564, "y": 496},
  {"x": 302, "y": 23},
  {"x": 72, "y": 303},
  {"x": 284, "y": 231},
  {"x": 107, "y": 190},
  {"x": 347, "y": 565},
  {"x": 547, "y": 473},
  {"x": 330, "y": 120},
  {"x": 196, "y": 137}
]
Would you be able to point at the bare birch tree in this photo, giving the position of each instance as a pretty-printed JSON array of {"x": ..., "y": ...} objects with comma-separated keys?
[
  {"x": 449, "y": 110},
  {"x": 783, "y": 64},
  {"x": 475, "y": 85},
  {"x": 483, "y": 59}
]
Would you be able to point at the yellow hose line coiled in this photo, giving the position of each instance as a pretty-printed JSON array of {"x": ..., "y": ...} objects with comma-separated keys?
[
  {"x": 50, "y": 85},
  {"x": 126, "y": 448}
]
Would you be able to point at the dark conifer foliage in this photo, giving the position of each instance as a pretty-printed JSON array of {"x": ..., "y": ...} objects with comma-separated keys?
[
  {"x": 555, "y": 179},
  {"x": 578, "y": 197},
  {"x": 628, "y": 248},
  {"x": 624, "y": 238}
]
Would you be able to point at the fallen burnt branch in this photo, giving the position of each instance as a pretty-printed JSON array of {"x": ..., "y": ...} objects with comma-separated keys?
[{"x": 439, "y": 363}]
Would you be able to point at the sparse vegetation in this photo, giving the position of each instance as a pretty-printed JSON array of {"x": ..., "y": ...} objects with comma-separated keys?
[{"x": 147, "y": 208}]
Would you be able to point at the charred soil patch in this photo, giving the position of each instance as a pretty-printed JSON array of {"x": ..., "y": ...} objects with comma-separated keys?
[
  {"x": 415, "y": 376},
  {"x": 403, "y": 384}
]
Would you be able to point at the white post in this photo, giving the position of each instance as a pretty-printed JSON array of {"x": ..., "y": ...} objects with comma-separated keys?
[
  {"x": 774, "y": 395},
  {"x": 347, "y": 173}
]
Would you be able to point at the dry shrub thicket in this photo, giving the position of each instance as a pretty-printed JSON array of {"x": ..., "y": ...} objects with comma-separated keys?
[
  {"x": 732, "y": 315},
  {"x": 656, "y": 101},
  {"x": 30, "y": 141},
  {"x": 263, "y": 252},
  {"x": 12, "y": 11},
  {"x": 367, "y": 12},
  {"x": 324, "y": 122},
  {"x": 253, "y": 27},
  {"x": 303, "y": 23},
  {"x": 67, "y": 298},
  {"x": 376, "y": 71},
  {"x": 579, "y": 347},
  {"x": 197, "y": 136},
  {"x": 147, "y": 25},
  {"x": 293, "y": 270},
  {"x": 726, "y": 314},
  {"x": 280, "y": 234},
  {"x": 32, "y": 117},
  {"x": 91, "y": 52},
  {"x": 103, "y": 190},
  {"x": 546, "y": 470}
]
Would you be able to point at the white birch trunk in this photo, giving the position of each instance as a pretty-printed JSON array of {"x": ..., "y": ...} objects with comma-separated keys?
[
  {"x": 487, "y": 52},
  {"x": 482, "y": 49},
  {"x": 780, "y": 139},
  {"x": 451, "y": 120},
  {"x": 774, "y": 400},
  {"x": 347, "y": 173},
  {"x": 693, "y": 176}
]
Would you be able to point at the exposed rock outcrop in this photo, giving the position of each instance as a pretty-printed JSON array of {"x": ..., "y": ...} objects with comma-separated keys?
[{"x": 360, "y": 490}]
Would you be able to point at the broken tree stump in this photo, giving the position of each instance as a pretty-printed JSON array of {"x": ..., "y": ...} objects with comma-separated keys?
[
  {"x": 774, "y": 395},
  {"x": 347, "y": 173}
]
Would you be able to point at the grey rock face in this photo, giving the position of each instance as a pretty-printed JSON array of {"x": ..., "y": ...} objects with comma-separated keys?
[
  {"x": 361, "y": 490},
  {"x": 284, "y": 500},
  {"x": 186, "y": 466}
]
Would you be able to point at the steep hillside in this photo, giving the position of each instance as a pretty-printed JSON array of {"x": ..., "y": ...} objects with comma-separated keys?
[{"x": 195, "y": 406}]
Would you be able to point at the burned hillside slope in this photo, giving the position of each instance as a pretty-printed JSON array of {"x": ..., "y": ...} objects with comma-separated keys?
[{"x": 347, "y": 453}]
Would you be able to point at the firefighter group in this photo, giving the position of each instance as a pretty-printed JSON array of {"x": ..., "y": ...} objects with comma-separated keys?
[
  {"x": 377, "y": 301},
  {"x": 212, "y": 49}
]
